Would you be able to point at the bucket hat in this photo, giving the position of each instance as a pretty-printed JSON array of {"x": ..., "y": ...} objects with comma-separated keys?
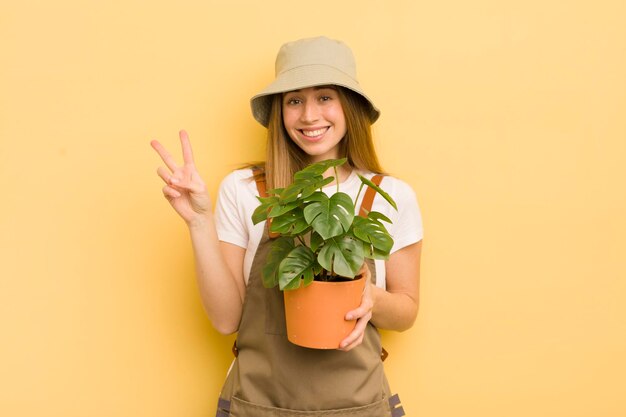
[{"x": 308, "y": 63}]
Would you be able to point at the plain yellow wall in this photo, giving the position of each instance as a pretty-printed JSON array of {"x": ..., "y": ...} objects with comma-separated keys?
[{"x": 508, "y": 119}]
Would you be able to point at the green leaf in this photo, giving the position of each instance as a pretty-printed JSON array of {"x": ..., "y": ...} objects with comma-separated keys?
[
  {"x": 266, "y": 200},
  {"x": 301, "y": 175},
  {"x": 310, "y": 189},
  {"x": 278, "y": 250},
  {"x": 297, "y": 266},
  {"x": 316, "y": 241},
  {"x": 372, "y": 232},
  {"x": 260, "y": 213},
  {"x": 343, "y": 256},
  {"x": 378, "y": 216},
  {"x": 275, "y": 191},
  {"x": 292, "y": 192},
  {"x": 379, "y": 191},
  {"x": 316, "y": 196},
  {"x": 371, "y": 252},
  {"x": 280, "y": 209},
  {"x": 319, "y": 168},
  {"x": 290, "y": 223},
  {"x": 302, "y": 188},
  {"x": 329, "y": 216}
]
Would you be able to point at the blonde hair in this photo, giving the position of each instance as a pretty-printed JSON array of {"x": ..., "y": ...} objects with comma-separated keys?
[{"x": 284, "y": 158}]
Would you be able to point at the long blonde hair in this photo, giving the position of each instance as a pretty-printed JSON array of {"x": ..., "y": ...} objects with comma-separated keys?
[{"x": 284, "y": 158}]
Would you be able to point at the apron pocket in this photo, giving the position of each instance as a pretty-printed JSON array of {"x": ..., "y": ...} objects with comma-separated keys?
[{"x": 241, "y": 408}]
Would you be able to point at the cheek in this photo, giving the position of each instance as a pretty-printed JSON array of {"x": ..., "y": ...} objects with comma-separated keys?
[
  {"x": 336, "y": 112},
  {"x": 289, "y": 118},
  {"x": 339, "y": 118},
  {"x": 288, "y": 124}
]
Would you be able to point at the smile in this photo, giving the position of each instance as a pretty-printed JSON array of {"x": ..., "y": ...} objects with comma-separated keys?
[{"x": 314, "y": 133}]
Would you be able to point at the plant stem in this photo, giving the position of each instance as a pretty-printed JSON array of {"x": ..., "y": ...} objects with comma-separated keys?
[
  {"x": 358, "y": 194},
  {"x": 336, "y": 177}
]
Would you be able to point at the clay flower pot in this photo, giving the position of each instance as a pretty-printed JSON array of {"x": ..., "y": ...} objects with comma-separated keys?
[{"x": 315, "y": 314}]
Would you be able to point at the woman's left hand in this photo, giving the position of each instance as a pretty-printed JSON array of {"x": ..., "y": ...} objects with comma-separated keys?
[{"x": 362, "y": 314}]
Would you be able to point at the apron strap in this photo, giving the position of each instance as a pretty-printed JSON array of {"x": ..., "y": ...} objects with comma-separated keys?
[
  {"x": 223, "y": 408},
  {"x": 368, "y": 198},
  {"x": 259, "y": 178},
  {"x": 396, "y": 409},
  {"x": 366, "y": 207}
]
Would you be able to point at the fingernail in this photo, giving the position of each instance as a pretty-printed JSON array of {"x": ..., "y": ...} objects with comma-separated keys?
[
  {"x": 174, "y": 180},
  {"x": 349, "y": 317}
]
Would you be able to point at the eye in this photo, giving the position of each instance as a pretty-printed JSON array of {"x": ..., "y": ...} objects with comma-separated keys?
[
  {"x": 293, "y": 101},
  {"x": 325, "y": 98}
]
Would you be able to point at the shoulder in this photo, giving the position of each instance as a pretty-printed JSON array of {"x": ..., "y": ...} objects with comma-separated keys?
[
  {"x": 404, "y": 196},
  {"x": 406, "y": 225},
  {"x": 398, "y": 189},
  {"x": 238, "y": 177},
  {"x": 238, "y": 192},
  {"x": 239, "y": 181}
]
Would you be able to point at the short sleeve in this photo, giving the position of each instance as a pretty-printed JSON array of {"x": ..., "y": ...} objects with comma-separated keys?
[
  {"x": 230, "y": 226},
  {"x": 407, "y": 226}
]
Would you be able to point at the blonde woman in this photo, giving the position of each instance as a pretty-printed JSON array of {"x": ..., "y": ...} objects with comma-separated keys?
[{"x": 314, "y": 110}]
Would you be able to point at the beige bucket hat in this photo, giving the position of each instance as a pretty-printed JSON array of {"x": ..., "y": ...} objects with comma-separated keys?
[{"x": 308, "y": 63}]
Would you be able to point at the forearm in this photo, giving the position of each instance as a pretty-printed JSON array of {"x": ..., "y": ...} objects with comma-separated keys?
[
  {"x": 396, "y": 307},
  {"x": 393, "y": 311},
  {"x": 222, "y": 297}
]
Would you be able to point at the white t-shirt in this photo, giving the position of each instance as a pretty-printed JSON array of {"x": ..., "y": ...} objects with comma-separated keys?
[{"x": 237, "y": 200}]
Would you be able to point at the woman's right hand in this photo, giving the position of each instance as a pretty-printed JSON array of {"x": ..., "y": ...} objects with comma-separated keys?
[{"x": 184, "y": 188}]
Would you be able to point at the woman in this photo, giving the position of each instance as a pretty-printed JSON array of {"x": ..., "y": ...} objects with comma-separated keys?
[{"x": 314, "y": 110}]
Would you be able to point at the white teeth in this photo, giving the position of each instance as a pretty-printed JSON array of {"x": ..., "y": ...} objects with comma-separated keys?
[{"x": 313, "y": 133}]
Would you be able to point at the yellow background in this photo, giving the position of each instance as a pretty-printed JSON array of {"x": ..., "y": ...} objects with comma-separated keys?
[{"x": 508, "y": 119}]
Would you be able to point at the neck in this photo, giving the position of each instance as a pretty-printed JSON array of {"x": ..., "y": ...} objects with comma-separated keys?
[{"x": 343, "y": 172}]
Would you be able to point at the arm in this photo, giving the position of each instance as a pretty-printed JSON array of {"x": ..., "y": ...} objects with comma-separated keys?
[
  {"x": 219, "y": 266},
  {"x": 219, "y": 272},
  {"x": 394, "y": 308}
]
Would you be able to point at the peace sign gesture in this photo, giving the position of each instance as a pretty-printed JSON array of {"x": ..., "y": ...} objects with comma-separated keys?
[{"x": 184, "y": 188}]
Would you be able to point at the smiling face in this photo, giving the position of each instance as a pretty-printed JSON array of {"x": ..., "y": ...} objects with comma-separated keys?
[{"x": 314, "y": 120}]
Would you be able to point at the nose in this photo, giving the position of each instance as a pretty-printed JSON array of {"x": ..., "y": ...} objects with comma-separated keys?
[{"x": 310, "y": 112}]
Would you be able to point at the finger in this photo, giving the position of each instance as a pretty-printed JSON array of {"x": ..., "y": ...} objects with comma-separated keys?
[
  {"x": 352, "y": 345},
  {"x": 360, "y": 311},
  {"x": 367, "y": 304},
  {"x": 178, "y": 184},
  {"x": 165, "y": 155},
  {"x": 182, "y": 187},
  {"x": 171, "y": 178},
  {"x": 166, "y": 175},
  {"x": 186, "y": 144},
  {"x": 356, "y": 336},
  {"x": 349, "y": 342},
  {"x": 170, "y": 192}
]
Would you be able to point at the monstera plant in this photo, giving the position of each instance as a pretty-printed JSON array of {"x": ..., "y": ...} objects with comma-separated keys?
[{"x": 321, "y": 238}]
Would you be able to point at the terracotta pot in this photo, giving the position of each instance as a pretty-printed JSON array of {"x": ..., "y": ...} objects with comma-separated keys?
[{"x": 315, "y": 314}]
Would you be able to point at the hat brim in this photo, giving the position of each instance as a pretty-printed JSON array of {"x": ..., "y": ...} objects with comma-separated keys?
[{"x": 304, "y": 77}]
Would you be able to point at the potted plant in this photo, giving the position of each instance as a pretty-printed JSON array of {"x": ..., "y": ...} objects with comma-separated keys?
[{"x": 322, "y": 243}]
